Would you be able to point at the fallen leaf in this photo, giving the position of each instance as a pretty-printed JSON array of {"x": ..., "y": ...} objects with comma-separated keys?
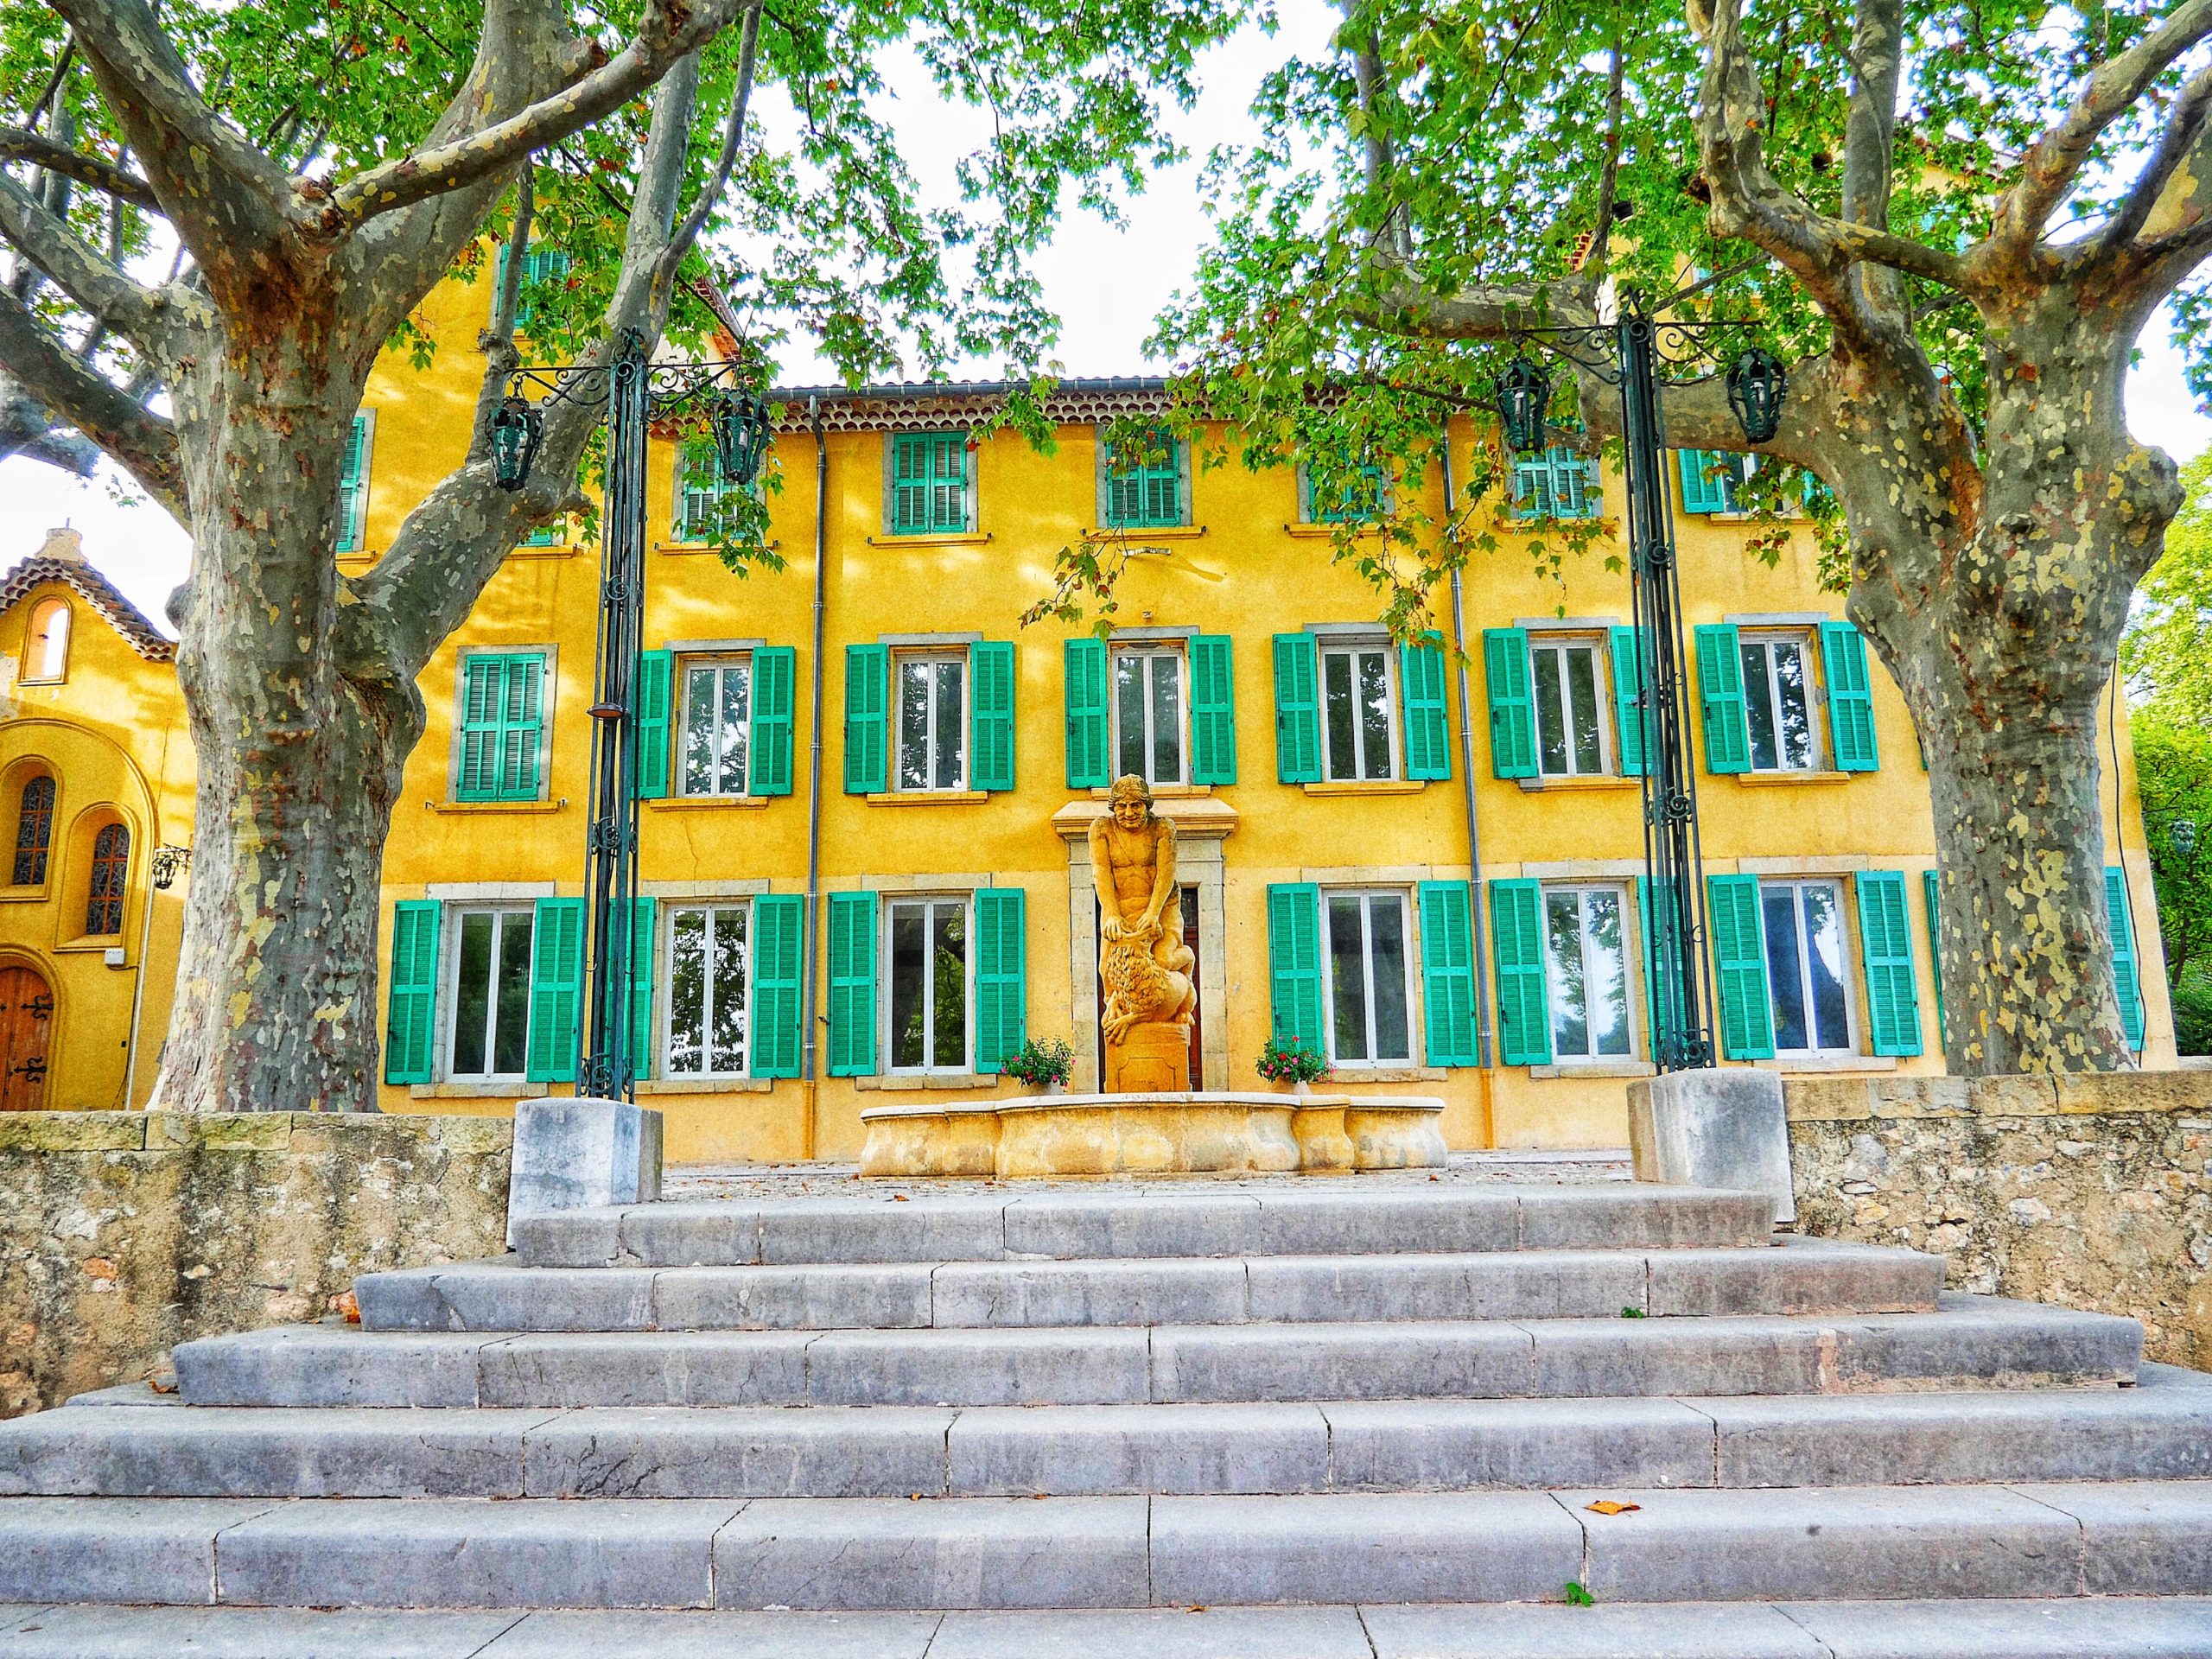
[
  {"x": 162, "y": 1381},
  {"x": 898, "y": 1198},
  {"x": 1607, "y": 1506},
  {"x": 344, "y": 1303},
  {"x": 1197, "y": 1608}
]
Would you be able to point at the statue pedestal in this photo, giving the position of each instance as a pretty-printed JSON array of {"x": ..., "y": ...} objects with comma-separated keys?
[{"x": 1153, "y": 1058}]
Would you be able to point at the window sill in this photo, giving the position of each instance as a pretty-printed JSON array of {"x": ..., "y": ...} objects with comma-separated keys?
[
  {"x": 487, "y": 1088},
  {"x": 704, "y": 547},
  {"x": 1324, "y": 532},
  {"x": 1596, "y": 1069},
  {"x": 892, "y": 1083},
  {"x": 1376, "y": 786},
  {"x": 1831, "y": 1063},
  {"x": 1592, "y": 780},
  {"x": 30, "y": 895},
  {"x": 26, "y": 683},
  {"x": 1386, "y": 1074},
  {"x": 1737, "y": 517},
  {"x": 90, "y": 941},
  {"x": 498, "y": 806},
  {"x": 929, "y": 797},
  {"x": 544, "y": 550},
  {"x": 703, "y": 803},
  {"x": 1165, "y": 532},
  {"x": 934, "y": 538},
  {"x": 1772, "y": 780},
  {"x": 705, "y": 1086}
]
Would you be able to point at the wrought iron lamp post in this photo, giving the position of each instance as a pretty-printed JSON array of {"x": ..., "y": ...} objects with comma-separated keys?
[
  {"x": 1630, "y": 353},
  {"x": 635, "y": 392}
]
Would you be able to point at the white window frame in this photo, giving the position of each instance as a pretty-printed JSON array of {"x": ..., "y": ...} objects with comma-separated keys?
[
  {"x": 1601, "y": 673},
  {"x": 900, "y": 661},
  {"x": 1815, "y": 699},
  {"x": 1121, "y": 651},
  {"x": 1391, "y": 723},
  {"x": 721, "y": 663},
  {"x": 455, "y": 919},
  {"x": 664, "y": 955},
  {"x": 1406, "y": 911},
  {"x": 1846, "y": 975},
  {"x": 1629, "y": 941},
  {"x": 893, "y": 903}
]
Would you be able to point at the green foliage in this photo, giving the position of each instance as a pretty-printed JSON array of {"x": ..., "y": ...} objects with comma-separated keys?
[
  {"x": 2167, "y": 650},
  {"x": 1285, "y": 1059},
  {"x": 1040, "y": 1061},
  {"x": 2173, "y": 770},
  {"x": 2193, "y": 1013},
  {"x": 1577, "y": 1596}
]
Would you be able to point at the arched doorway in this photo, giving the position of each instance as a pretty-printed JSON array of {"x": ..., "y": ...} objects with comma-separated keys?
[{"x": 26, "y": 1033}]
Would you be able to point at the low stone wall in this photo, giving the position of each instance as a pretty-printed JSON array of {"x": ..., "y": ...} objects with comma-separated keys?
[
  {"x": 2089, "y": 1191},
  {"x": 122, "y": 1234}
]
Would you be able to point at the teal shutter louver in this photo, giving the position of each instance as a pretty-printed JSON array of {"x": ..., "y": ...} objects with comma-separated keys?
[
  {"x": 1740, "y": 967},
  {"x": 1628, "y": 700},
  {"x": 1428, "y": 729},
  {"x": 779, "y": 968},
  {"x": 1720, "y": 697},
  {"x": 411, "y": 1018},
  {"x": 1705, "y": 481},
  {"x": 929, "y": 483},
  {"x": 1148, "y": 492},
  {"x": 1512, "y": 702},
  {"x": 852, "y": 984},
  {"x": 501, "y": 726},
  {"x": 557, "y": 989},
  {"x": 1001, "y": 977},
  {"x": 1885, "y": 950},
  {"x": 354, "y": 486},
  {"x": 2127, "y": 975},
  {"x": 1557, "y": 484},
  {"x": 1524, "y": 1014},
  {"x": 868, "y": 722},
  {"x": 1298, "y": 709},
  {"x": 1090, "y": 759},
  {"x": 656, "y": 676},
  {"x": 990, "y": 715},
  {"x": 1850, "y": 698},
  {"x": 1213, "y": 711},
  {"x": 775, "y": 681},
  {"x": 1447, "y": 970},
  {"x": 1295, "y": 964},
  {"x": 1930, "y": 882},
  {"x": 643, "y": 936}
]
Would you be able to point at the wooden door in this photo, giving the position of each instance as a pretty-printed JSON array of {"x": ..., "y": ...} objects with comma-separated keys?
[{"x": 26, "y": 1033}]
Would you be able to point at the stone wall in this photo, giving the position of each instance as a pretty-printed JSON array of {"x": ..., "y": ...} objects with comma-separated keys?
[
  {"x": 2089, "y": 1191},
  {"x": 122, "y": 1234}
]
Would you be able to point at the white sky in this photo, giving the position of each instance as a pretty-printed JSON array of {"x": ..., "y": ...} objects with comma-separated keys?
[{"x": 1107, "y": 285}]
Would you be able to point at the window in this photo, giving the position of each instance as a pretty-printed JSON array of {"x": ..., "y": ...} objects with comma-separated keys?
[
  {"x": 1806, "y": 978},
  {"x": 34, "y": 831},
  {"x": 553, "y": 535},
  {"x": 353, "y": 486},
  {"x": 1148, "y": 715},
  {"x": 1557, "y": 484},
  {"x": 1586, "y": 966},
  {"x": 704, "y": 498},
  {"x": 932, "y": 722},
  {"x": 46, "y": 655},
  {"x": 717, "y": 726},
  {"x": 1778, "y": 704},
  {"x": 540, "y": 266},
  {"x": 1143, "y": 486},
  {"x": 1714, "y": 481},
  {"x": 1569, "y": 685},
  {"x": 502, "y": 728},
  {"x": 708, "y": 970},
  {"x": 1359, "y": 494},
  {"x": 930, "y": 493},
  {"x": 491, "y": 995},
  {"x": 1368, "y": 1023},
  {"x": 1357, "y": 724},
  {"x": 928, "y": 985},
  {"x": 110, "y": 866}
]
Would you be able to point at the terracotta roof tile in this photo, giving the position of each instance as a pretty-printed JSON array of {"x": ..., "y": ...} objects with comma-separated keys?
[{"x": 97, "y": 591}]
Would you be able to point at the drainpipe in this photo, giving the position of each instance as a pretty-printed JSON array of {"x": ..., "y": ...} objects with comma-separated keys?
[
  {"x": 1467, "y": 789},
  {"x": 811, "y": 1030}
]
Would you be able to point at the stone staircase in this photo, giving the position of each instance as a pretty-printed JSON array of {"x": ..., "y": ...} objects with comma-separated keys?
[{"x": 1365, "y": 1418}]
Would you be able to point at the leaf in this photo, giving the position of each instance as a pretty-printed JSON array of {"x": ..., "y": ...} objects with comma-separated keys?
[
  {"x": 1578, "y": 1597},
  {"x": 1611, "y": 1506}
]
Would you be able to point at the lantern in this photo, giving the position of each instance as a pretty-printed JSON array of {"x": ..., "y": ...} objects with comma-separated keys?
[
  {"x": 517, "y": 430},
  {"x": 1523, "y": 397},
  {"x": 2181, "y": 836},
  {"x": 740, "y": 423},
  {"x": 1757, "y": 385}
]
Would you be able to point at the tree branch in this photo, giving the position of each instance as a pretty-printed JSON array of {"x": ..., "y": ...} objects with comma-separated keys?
[
  {"x": 687, "y": 233},
  {"x": 83, "y": 275},
  {"x": 1609, "y": 175},
  {"x": 2184, "y": 128},
  {"x": 21, "y": 144},
  {"x": 126, "y": 429},
  {"x": 1408, "y": 308}
]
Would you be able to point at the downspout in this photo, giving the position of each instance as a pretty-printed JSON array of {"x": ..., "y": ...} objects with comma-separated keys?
[
  {"x": 810, "y": 1038},
  {"x": 1467, "y": 788}
]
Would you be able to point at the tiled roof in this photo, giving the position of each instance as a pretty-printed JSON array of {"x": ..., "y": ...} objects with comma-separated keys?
[
  {"x": 97, "y": 591},
  {"x": 913, "y": 404}
]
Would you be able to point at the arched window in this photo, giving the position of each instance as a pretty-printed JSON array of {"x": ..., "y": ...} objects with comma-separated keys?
[
  {"x": 34, "y": 831},
  {"x": 47, "y": 655},
  {"x": 110, "y": 863}
]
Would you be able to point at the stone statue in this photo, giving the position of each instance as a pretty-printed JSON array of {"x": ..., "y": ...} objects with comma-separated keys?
[{"x": 1142, "y": 960}]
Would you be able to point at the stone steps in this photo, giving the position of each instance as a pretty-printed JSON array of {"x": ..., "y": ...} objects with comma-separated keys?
[
  {"x": 2160, "y": 1431},
  {"x": 1972, "y": 1341},
  {"x": 1804, "y": 1276},
  {"x": 2042, "y": 1541},
  {"x": 1353, "y": 1217}
]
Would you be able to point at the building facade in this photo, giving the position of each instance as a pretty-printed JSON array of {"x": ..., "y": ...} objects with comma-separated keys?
[{"x": 872, "y": 722}]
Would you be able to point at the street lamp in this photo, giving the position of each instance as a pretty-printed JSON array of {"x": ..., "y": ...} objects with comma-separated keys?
[
  {"x": 517, "y": 430},
  {"x": 1757, "y": 384},
  {"x": 741, "y": 425},
  {"x": 1523, "y": 398},
  {"x": 2181, "y": 836}
]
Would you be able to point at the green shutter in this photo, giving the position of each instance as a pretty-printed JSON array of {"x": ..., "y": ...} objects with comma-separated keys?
[
  {"x": 868, "y": 696},
  {"x": 1420, "y": 684},
  {"x": 1885, "y": 951},
  {"x": 1090, "y": 766},
  {"x": 1721, "y": 695},
  {"x": 1558, "y": 483},
  {"x": 351, "y": 485},
  {"x": 775, "y": 677},
  {"x": 1929, "y": 884},
  {"x": 2127, "y": 975},
  {"x": 414, "y": 991},
  {"x": 1295, "y": 964},
  {"x": 1148, "y": 493},
  {"x": 482, "y": 680},
  {"x": 1703, "y": 490},
  {"x": 1512, "y": 705},
  {"x": 1628, "y": 702},
  {"x": 852, "y": 984},
  {"x": 1662, "y": 962},
  {"x": 929, "y": 483},
  {"x": 1740, "y": 967},
  {"x": 521, "y": 729},
  {"x": 1525, "y": 1014},
  {"x": 656, "y": 671},
  {"x": 778, "y": 969},
  {"x": 990, "y": 715},
  {"x": 1447, "y": 974},
  {"x": 1298, "y": 709},
  {"x": 1850, "y": 698},
  {"x": 1213, "y": 711},
  {"x": 500, "y": 727},
  {"x": 1001, "y": 976},
  {"x": 555, "y": 989},
  {"x": 643, "y": 938}
]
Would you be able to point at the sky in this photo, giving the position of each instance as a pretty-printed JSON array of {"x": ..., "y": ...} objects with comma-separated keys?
[{"x": 1107, "y": 284}]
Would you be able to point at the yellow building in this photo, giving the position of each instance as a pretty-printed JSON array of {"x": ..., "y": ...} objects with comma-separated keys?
[{"x": 1331, "y": 802}]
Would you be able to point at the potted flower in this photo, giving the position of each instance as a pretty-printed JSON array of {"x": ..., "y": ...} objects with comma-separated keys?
[
  {"x": 1285, "y": 1059},
  {"x": 1042, "y": 1067}
]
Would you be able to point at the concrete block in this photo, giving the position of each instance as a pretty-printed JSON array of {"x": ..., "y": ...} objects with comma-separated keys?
[
  {"x": 1155, "y": 1224},
  {"x": 1935, "y": 1541},
  {"x": 1695, "y": 1630},
  {"x": 2139, "y": 1538},
  {"x": 1084, "y": 1449},
  {"x": 1601, "y": 1358},
  {"x": 974, "y": 1552},
  {"x": 149, "y": 1549},
  {"x": 584, "y": 1238},
  {"x": 889, "y": 1452},
  {"x": 713, "y": 1233},
  {"x": 250, "y": 1633},
  {"x": 2076, "y": 1628},
  {"x": 672, "y": 1368},
  {"x": 467, "y": 1552},
  {"x": 1359, "y": 1547},
  {"x": 2012, "y": 1344},
  {"x": 331, "y": 1365},
  {"x": 1395, "y": 1445},
  {"x": 2124, "y": 1092},
  {"x": 1010, "y": 1293},
  {"x": 1339, "y": 1362},
  {"x": 868, "y": 1296},
  {"x": 1482, "y": 1284},
  {"x": 501, "y": 1296},
  {"x": 232, "y": 1131},
  {"x": 1156, "y": 1633},
  {"x": 73, "y": 1131},
  {"x": 1365, "y": 1220},
  {"x": 978, "y": 1368},
  {"x": 879, "y": 1230},
  {"x": 718, "y": 1636},
  {"x": 1713, "y": 1127},
  {"x": 580, "y": 1153},
  {"x": 1796, "y": 1276},
  {"x": 124, "y": 1394},
  {"x": 1625, "y": 1218}
]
